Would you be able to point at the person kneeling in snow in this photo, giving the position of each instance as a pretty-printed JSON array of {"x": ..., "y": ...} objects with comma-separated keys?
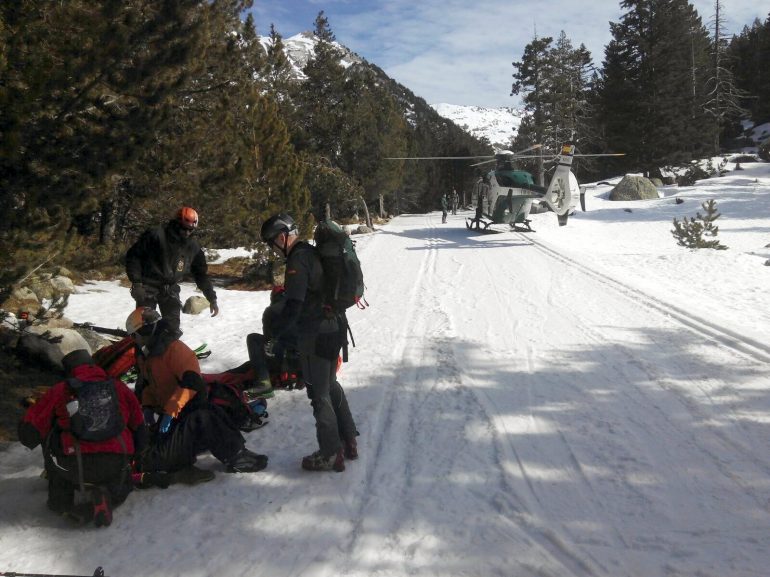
[
  {"x": 170, "y": 386},
  {"x": 89, "y": 426}
]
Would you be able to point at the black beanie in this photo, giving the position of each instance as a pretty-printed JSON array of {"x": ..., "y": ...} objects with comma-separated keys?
[{"x": 76, "y": 359}]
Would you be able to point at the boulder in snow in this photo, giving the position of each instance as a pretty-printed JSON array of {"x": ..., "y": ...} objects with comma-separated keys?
[
  {"x": 51, "y": 344},
  {"x": 195, "y": 305},
  {"x": 634, "y": 187}
]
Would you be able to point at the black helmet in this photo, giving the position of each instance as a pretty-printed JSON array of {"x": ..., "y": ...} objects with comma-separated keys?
[{"x": 275, "y": 225}]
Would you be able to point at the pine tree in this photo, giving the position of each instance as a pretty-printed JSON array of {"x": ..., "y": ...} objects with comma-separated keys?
[
  {"x": 277, "y": 73},
  {"x": 84, "y": 88},
  {"x": 653, "y": 84},
  {"x": 372, "y": 130},
  {"x": 319, "y": 116},
  {"x": 690, "y": 233},
  {"x": 749, "y": 54},
  {"x": 532, "y": 75},
  {"x": 555, "y": 81},
  {"x": 723, "y": 96}
]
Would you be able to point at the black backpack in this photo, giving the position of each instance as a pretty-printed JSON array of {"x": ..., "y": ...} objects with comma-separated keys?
[
  {"x": 95, "y": 412},
  {"x": 244, "y": 414},
  {"x": 343, "y": 277}
]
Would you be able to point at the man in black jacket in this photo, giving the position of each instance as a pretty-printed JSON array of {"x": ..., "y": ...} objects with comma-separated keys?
[
  {"x": 158, "y": 261},
  {"x": 319, "y": 339}
]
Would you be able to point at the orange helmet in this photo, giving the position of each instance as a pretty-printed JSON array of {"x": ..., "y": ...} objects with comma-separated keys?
[
  {"x": 187, "y": 217},
  {"x": 141, "y": 317}
]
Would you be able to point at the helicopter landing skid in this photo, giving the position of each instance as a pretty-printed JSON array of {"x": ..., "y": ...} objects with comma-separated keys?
[
  {"x": 522, "y": 226},
  {"x": 477, "y": 223}
]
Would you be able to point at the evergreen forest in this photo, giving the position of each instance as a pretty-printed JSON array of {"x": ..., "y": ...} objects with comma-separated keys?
[
  {"x": 672, "y": 87},
  {"x": 115, "y": 112}
]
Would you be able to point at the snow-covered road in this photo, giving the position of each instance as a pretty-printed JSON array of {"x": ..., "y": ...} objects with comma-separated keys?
[
  {"x": 535, "y": 419},
  {"x": 521, "y": 414}
]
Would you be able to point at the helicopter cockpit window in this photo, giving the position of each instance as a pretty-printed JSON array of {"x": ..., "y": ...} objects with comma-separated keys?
[{"x": 517, "y": 178}]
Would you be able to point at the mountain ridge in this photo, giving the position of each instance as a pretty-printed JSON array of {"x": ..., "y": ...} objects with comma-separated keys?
[{"x": 497, "y": 125}]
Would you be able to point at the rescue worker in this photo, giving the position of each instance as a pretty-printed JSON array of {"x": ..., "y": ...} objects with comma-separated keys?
[
  {"x": 174, "y": 398},
  {"x": 455, "y": 201},
  {"x": 444, "y": 208},
  {"x": 319, "y": 340},
  {"x": 98, "y": 470},
  {"x": 158, "y": 261}
]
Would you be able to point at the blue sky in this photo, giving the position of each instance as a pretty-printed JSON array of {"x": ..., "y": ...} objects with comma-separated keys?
[{"x": 461, "y": 52}]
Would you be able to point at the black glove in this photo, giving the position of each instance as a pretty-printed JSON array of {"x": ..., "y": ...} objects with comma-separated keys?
[{"x": 138, "y": 293}]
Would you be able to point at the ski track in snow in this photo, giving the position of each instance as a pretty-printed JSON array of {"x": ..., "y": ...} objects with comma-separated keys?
[{"x": 530, "y": 515}]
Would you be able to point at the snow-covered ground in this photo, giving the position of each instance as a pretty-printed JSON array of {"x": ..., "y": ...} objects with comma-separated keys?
[{"x": 591, "y": 400}]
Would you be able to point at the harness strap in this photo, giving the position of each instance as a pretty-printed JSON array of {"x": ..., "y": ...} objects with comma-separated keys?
[
  {"x": 79, "y": 458},
  {"x": 343, "y": 319}
]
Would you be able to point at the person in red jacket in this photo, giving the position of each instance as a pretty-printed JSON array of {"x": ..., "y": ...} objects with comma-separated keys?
[{"x": 100, "y": 470}]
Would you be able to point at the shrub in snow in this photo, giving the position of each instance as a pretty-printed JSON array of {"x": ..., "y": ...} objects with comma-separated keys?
[
  {"x": 691, "y": 232},
  {"x": 693, "y": 173}
]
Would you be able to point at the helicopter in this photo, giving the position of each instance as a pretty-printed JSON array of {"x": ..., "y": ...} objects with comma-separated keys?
[{"x": 505, "y": 195}]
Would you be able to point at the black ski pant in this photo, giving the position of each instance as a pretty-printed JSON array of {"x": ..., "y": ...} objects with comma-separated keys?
[
  {"x": 110, "y": 471},
  {"x": 165, "y": 298},
  {"x": 202, "y": 429},
  {"x": 333, "y": 420}
]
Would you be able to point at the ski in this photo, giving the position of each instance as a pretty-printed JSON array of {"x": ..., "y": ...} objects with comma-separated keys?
[
  {"x": 103, "y": 330},
  {"x": 98, "y": 573}
]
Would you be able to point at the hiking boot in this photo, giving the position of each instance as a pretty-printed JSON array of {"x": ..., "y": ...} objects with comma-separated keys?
[
  {"x": 247, "y": 462},
  {"x": 102, "y": 510},
  {"x": 263, "y": 390},
  {"x": 81, "y": 513},
  {"x": 191, "y": 475},
  {"x": 351, "y": 449},
  {"x": 317, "y": 462}
]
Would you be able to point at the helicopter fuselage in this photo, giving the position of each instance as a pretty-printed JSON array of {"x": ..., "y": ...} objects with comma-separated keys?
[{"x": 502, "y": 202}]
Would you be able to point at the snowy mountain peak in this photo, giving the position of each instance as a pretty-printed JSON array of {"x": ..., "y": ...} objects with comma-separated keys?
[
  {"x": 299, "y": 49},
  {"x": 498, "y": 125}
]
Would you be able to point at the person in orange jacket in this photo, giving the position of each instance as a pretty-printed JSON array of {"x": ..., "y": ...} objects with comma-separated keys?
[
  {"x": 174, "y": 398},
  {"x": 99, "y": 468}
]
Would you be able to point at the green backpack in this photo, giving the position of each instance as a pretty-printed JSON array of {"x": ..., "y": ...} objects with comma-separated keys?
[{"x": 343, "y": 277}]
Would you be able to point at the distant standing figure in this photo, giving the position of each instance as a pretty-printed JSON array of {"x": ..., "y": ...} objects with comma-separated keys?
[
  {"x": 158, "y": 261},
  {"x": 443, "y": 208},
  {"x": 455, "y": 201}
]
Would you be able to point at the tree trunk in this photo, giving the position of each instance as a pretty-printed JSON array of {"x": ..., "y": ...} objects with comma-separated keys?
[
  {"x": 366, "y": 213},
  {"x": 382, "y": 207},
  {"x": 108, "y": 222}
]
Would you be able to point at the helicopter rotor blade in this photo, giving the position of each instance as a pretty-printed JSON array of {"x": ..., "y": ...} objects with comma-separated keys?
[
  {"x": 484, "y": 162},
  {"x": 604, "y": 154},
  {"x": 533, "y": 147},
  {"x": 435, "y": 157}
]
